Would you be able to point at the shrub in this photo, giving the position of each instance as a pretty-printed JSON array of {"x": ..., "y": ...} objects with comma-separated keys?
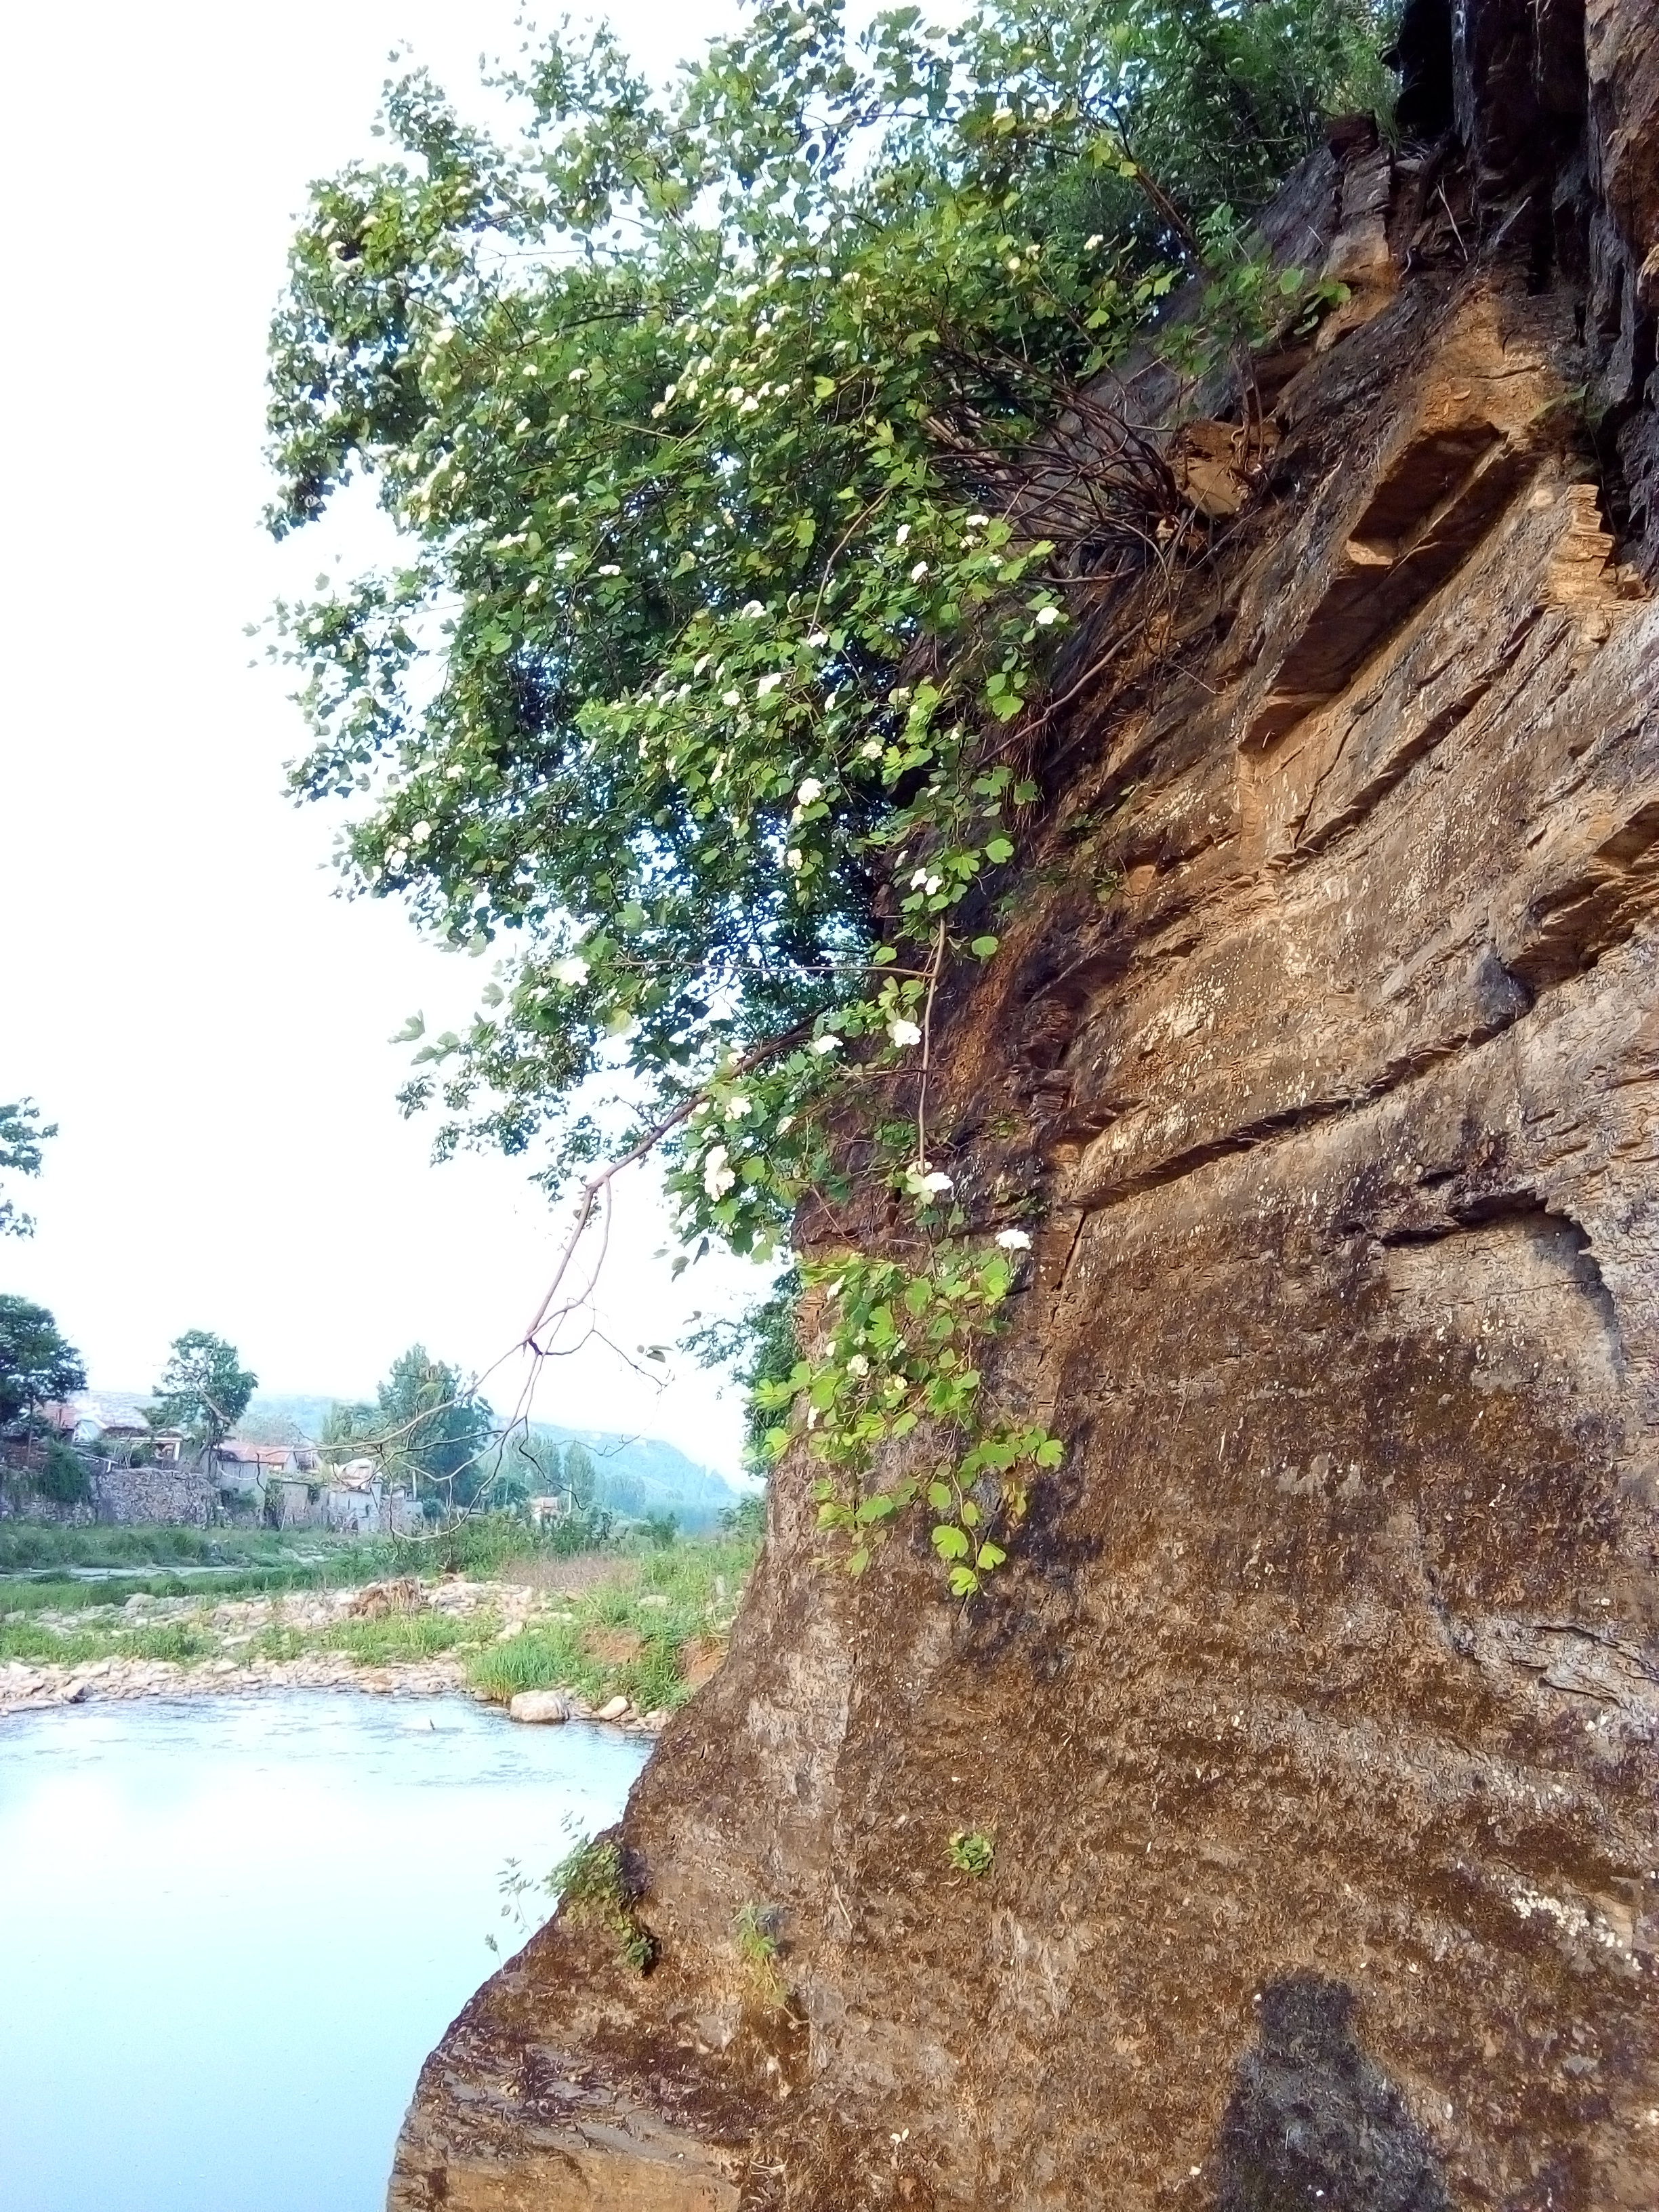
[
  {"x": 596, "y": 1891},
  {"x": 61, "y": 1477},
  {"x": 972, "y": 1851}
]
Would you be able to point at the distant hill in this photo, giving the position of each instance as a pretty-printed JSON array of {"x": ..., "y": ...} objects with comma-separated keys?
[
  {"x": 643, "y": 1474},
  {"x": 637, "y": 1475}
]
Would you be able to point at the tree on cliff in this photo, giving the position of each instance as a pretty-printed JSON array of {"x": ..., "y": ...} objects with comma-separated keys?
[
  {"x": 36, "y": 1364},
  {"x": 203, "y": 1390},
  {"x": 739, "y": 539},
  {"x": 21, "y": 1136}
]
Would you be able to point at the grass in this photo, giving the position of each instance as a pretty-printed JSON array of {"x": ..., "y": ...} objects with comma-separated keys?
[
  {"x": 666, "y": 1599},
  {"x": 397, "y": 1637},
  {"x": 146, "y": 1547},
  {"x": 31, "y": 1641},
  {"x": 628, "y": 1632},
  {"x": 225, "y": 1563}
]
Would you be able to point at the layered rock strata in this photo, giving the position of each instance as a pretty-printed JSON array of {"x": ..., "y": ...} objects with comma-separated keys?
[{"x": 1317, "y": 1721}]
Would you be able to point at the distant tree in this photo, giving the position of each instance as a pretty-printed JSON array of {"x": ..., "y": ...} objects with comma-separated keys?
[
  {"x": 746, "y": 1519},
  {"x": 21, "y": 1136},
  {"x": 203, "y": 1390},
  {"x": 36, "y": 1364},
  {"x": 582, "y": 1477},
  {"x": 661, "y": 1530},
  {"x": 349, "y": 1431},
  {"x": 431, "y": 1427}
]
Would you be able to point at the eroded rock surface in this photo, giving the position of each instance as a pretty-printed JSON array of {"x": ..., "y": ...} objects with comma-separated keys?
[{"x": 1317, "y": 1721}]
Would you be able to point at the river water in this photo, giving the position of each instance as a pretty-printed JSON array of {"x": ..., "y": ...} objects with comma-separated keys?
[{"x": 231, "y": 1929}]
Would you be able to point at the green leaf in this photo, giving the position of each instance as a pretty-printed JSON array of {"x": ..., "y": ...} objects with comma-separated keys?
[
  {"x": 999, "y": 849},
  {"x": 983, "y": 947},
  {"x": 950, "y": 1542}
]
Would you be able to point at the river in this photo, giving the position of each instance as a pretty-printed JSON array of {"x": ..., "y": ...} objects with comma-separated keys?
[{"x": 231, "y": 1929}]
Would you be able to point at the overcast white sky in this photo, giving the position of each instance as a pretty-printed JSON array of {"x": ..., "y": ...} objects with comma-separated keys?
[{"x": 178, "y": 988}]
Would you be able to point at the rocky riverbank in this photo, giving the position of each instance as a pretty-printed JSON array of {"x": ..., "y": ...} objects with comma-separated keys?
[{"x": 399, "y": 1639}]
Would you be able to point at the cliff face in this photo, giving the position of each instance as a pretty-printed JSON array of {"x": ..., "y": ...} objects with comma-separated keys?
[{"x": 1316, "y": 1717}]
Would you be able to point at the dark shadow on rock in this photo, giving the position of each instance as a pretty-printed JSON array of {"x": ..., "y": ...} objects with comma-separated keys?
[{"x": 1313, "y": 2125}]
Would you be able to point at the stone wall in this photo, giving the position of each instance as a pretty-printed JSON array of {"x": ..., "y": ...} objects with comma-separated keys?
[
  {"x": 185, "y": 1496},
  {"x": 1317, "y": 1719}
]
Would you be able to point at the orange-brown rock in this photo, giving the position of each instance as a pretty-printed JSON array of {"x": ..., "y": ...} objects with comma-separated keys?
[{"x": 1316, "y": 1717}]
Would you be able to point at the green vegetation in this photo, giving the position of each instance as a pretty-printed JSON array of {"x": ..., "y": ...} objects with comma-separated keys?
[
  {"x": 900, "y": 1357},
  {"x": 627, "y": 1637},
  {"x": 756, "y": 1930},
  {"x": 595, "y": 1891},
  {"x": 36, "y": 1364},
  {"x": 204, "y": 1388},
  {"x": 395, "y": 1639},
  {"x": 760, "y": 1346},
  {"x": 632, "y": 1630},
  {"x": 58, "y": 1474},
  {"x": 739, "y": 545},
  {"x": 427, "y": 1430},
  {"x": 972, "y": 1851},
  {"x": 21, "y": 1136},
  {"x": 132, "y": 1561}
]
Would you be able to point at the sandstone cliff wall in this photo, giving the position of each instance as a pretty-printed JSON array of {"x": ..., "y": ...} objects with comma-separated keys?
[{"x": 1318, "y": 1722}]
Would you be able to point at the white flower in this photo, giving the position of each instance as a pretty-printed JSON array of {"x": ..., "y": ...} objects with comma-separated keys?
[
  {"x": 572, "y": 970},
  {"x": 609, "y": 569},
  {"x": 902, "y": 532},
  {"x": 701, "y": 664},
  {"x": 812, "y": 789},
  {"x": 918, "y": 572},
  {"x": 1047, "y": 615},
  {"x": 420, "y": 833},
  {"x": 454, "y": 772},
  {"x": 1013, "y": 1240},
  {"x": 858, "y": 1366},
  {"x": 818, "y": 637},
  {"x": 812, "y": 1417},
  {"x": 917, "y": 880},
  {"x": 575, "y": 376},
  {"x": 1090, "y": 243},
  {"x": 792, "y": 857},
  {"x": 902, "y": 1033},
  {"x": 786, "y": 1123},
  {"x": 396, "y": 858},
  {"x": 751, "y": 406},
  {"x": 825, "y": 1043},
  {"x": 936, "y": 1182},
  {"x": 717, "y": 1177},
  {"x": 933, "y": 884},
  {"x": 736, "y": 1108},
  {"x": 767, "y": 683},
  {"x": 731, "y": 698},
  {"x": 977, "y": 521},
  {"x": 752, "y": 610}
]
